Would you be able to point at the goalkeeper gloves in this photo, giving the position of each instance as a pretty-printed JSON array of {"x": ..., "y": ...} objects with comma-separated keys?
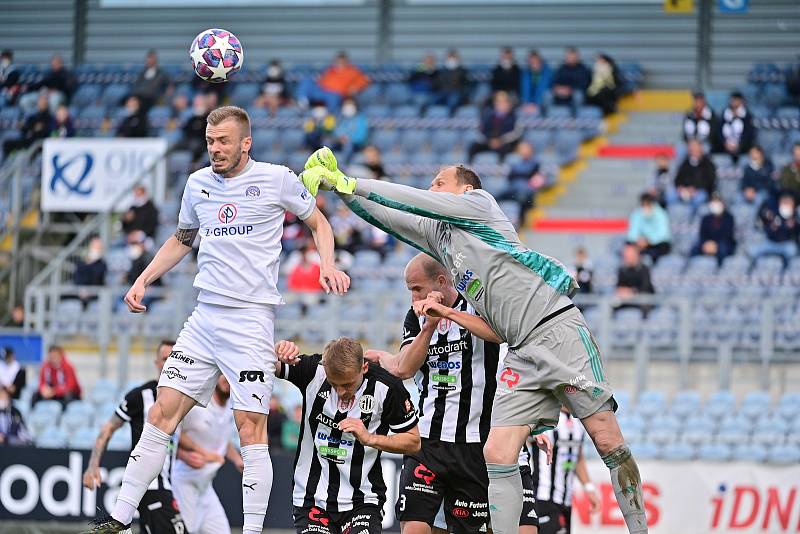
[{"x": 317, "y": 178}]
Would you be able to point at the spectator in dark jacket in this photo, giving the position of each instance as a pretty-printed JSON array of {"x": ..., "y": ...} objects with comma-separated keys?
[
  {"x": 758, "y": 182},
  {"x": 58, "y": 84},
  {"x": 535, "y": 82},
  {"x": 12, "y": 373},
  {"x": 275, "y": 90},
  {"x": 701, "y": 122},
  {"x": 193, "y": 130},
  {"x": 142, "y": 215},
  {"x": 57, "y": 379},
  {"x": 737, "y": 133},
  {"x": 716, "y": 232},
  {"x": 37, "y": 126},
  {"x": 451, "y": 82},
  {"x": 499, "y": 130},
  {"x": 789, "y": 179},
  {"x": 525, "y": 179},
  {"x": 422, "y": 80},
  {"x": 793, "y": 81},
  {"x": 633, "y": 277},
  {"x": 12, "y": 428},
  {"x": 582, "y": 270},
  {"x": 91, "y": 271},
  {"x": 696, "y": 178},
  {"x": 63, "y": 126},
  {"x": 604, "y": 89},
  {"x": 9, "y": 78},
  {"x": 506, "y": 74},
  {"x": 151, "y": 83},
  {"x": 135, "y": 122},
  {"x": 781, "y": 223},
  {"x": 571, "y": 78}
]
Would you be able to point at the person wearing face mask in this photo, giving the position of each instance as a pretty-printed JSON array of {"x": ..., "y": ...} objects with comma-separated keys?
[
  {"x": 140, "y": 258},
  {"x": 451, "y": 82},
  {"x": 319, "y": 128},
  {"x": 717, "y": 228},
  {"x": 12, "y": 428},
  {"x": 648, "y": 228},
  {"x": 757, "y": 181},
  {"x": 781, "y": 223},
  {"x": 500, "y": 131},
  {"x": 696, "y": 178},
  {"x": 91, "y": 271},
  {"x": 142, "y": 215},
  {"x": 274, "y": 91},
  {"x": 135, "y": 122},
  {"x": 506, "y": 74},
  {"x": 352, "y": 130}
]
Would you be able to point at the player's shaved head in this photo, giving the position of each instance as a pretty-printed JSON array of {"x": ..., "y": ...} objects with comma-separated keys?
[
  {"x": 424, "y": 275},
  {"x": 428, "y": 267}
]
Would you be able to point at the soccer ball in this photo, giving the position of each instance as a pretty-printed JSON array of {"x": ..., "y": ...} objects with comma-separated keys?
[{"x": 216, "y": 55}]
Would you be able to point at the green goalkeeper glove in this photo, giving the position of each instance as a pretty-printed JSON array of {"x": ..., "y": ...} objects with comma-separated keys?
[{"x": 320, "y": 177}]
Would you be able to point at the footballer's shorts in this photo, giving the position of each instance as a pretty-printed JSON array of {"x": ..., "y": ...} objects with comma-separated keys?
[
  {"x": 560, "y": 365},
  {"x": 200, "y": 507},
  {"x": 362, "y": 519},
  {"x": 449, "y": 473},
  {"x": 158, "y": 513},
  {"x": 237, "y": 342}
]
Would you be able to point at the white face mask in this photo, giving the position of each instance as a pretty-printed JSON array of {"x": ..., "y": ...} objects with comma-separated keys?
[
  {"x": 451, "y": 63},
  {"x": 786, "y": 211},
  {"x": 5, "y": 63},
  {"x": 139, "y": 201},
  {"x": 93, "y": 255},
  {"x": 274, "y": 72},
  {"x": 134, "y": 252},
  {"x": 716, "y": 208},
  {"x": 319, "y": 113},
  {"x": 506, "y": 63},
  {"x": 348, "y": 110}
]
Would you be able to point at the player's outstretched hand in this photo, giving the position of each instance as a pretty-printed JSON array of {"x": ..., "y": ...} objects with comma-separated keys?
[
  {"x": 287, "y": 352},
  {"x": 317, "y": 178},
  {"x": 332, "y": 279},
  {"x": 356, "y": 427},
  {"x": 134, "y": 296},
  {"x": 324, "y": 157},
  {"x": 375, "y": 356},
  {"x": 91, "y": 478},
  {"x": 544, "y": 443}
]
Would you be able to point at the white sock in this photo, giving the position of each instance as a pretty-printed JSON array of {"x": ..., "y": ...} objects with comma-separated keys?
[
  {"x": 505, "y": 497},
  {"x": 256, "y": 485},
  {"x": 144, "y": 464}
]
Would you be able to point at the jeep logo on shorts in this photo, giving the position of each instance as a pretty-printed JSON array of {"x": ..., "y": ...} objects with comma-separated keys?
[{"x": 251, "y": 376}]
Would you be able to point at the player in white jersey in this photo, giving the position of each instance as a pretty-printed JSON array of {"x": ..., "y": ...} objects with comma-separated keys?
[
  {"x": 203, "y": 446},
  {"x": 237, "y": 206}
]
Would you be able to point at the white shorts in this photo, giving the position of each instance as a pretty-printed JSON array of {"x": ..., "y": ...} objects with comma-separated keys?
[
  {"x": 198, "y": 502},
  {"x": 237, "y": 342}
]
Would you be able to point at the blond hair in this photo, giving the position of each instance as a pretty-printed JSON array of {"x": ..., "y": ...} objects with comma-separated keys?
[
  {"x": 342, "y": 354},
  {"x": 230, "y": 112}
]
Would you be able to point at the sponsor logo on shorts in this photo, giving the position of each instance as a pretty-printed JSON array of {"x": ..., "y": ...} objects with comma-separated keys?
[
  {"x": 570, "y": 390},
  {"x": 222, "y": 231},
  {"x": 366, "y": 403},
  {"x": 581, "y": 382},
  {"x": 460, "y": 512},
  {"x": 252, "y": 191},
  {"x": 260, "y": 399},
  {"x": 251, "y": 376},
  {"x": 510, "y": 378},
  {"x": 173, "y": 372},
  {"x": 178, "y": 355},
  {"x": 424, "y": 474},
  {"x": 315, "y": 514},
  {"x": 227, "y": 213}
]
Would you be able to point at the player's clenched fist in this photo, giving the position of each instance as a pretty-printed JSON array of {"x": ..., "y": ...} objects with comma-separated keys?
[
  {"x": 356, "y": 427},
  {"x": 287, "y": 352},
  {"x": 133, "y": 298}
]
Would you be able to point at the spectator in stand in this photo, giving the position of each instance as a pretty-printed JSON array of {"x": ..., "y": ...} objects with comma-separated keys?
[
  {"x": 604, "y": 89},
  {"x": 58, "y": 84},
  {"x": 304, "y": 276},
  {"x": 535, "y": 82},
  {"x": 319, "y": 128},
  {"x": 696, "y": 178},
  {"x": 571, "y": 79},
  {"x": 648, "y": 228},
  {"x": 12, "y": 427},
  {"x": 291, "y": 429},
  {"x": 701, "y": 122},
  {"x": 151, "y": 84},
  {"x": 63, "y": 126},
  {"x": 351, "y": 132},
  {"x": 423, "y": 79},
  {"x": 737, "y": 133},
  {"x": 142, "y": 215},
  {"x": 37, "y": 126},
  {"x": 275, "y": 91},
  {"x": 18, "y": 316},
  {"x": 781, "y": 223},
  {"x": 12, "y": 375},
  {"x": 373, "y": 161},
  {"x": 758, "y": 182},
  {"x": 9, "y": 78},
  {"x": 193, "y": 131},
  {"x": 140, "y": 258},
  {"x": 451, "y": 82},
  {"x": 716, "y": 232},
  {"x": 793, "y": 82},
  {"x": 340, "y": 80},
  {"x": 506, "y": 74},
  {"x": 347, "y": 227},
  {"x": 582, "y": 270},
  {"x": 662, "y": 179},
  {"x": 275, "y": 423},
  {"x": 57, "y": 379},
  {"x": 499, "y": 131},
  {"x": 633, "y": 277},
  {"x": 135, "y": 122},
  {"x": 789, "y": 179},
  {"x": 525, "y": 179},
  {"x": 91, "y": 271}
]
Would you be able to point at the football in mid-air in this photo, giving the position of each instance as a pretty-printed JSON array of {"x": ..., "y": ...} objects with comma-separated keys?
[{"x": 216, "y": 55}]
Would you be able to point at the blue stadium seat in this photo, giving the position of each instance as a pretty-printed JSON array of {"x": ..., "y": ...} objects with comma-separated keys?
[
  {"x": 159, "y": 116},
  {"x": 83, "y": 439},
  {"x": 698, "y": 431},
  {"x": 788, "y": 113},
  {"x": 397, "y": 94},
  {"x": 120, "y": 441},
  {"x": 443, "y": 141},
  {"x": 589, "y": 112},
  {"x": 257, "y": 114},
  {"x": 645, "y": 450},
  {"x": 486, "y": 158},
  {"x": 377, "y": 111},
  {"x": 685, "y": 403},
  {"x": 623, "y": 399},
  {"x": 468, "y": 112},
  {"x": 371, "y": 95},
  {"x": 244, "y": 93},
  {"x": 540, "y": 139},
  {"x": 114, "y": 94},
  {"x": 664, "y": 429},
  {"x": 385, "y": 140},
  {"x": 566, "y": 145},
  {"x": 51, "y": 438},
  {"x": 789, "y": 406},
  {"x": 291, "y": 140},
  {"x": 51, "y": 408},
  {"x": 86, "y": 95},
  {"x": 784, "y": 455},
  {"x": 714, "y": 453},
  {"x": 750, "y": 453},
  {"x": 731, "y": 434},
  {"x": 650, "y": 403},
  {"x": 720, "y": 404},
  {"x": 414, "y": 141},
  {"x": 770, "y": 432},
  {"x": 756, "y": 404},
  {"x": 559, "y": 112},
  {"x": 437, "y": 112},
  {"x": 103, "y": 392},
  {"x": 407, "y": 111},
  {"x": 677, "y": 451}
]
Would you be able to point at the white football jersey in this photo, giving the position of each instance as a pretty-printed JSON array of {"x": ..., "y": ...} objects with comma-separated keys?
[
  {"x": 241, "y": 224},
  {"x": 211, "y": 428}
]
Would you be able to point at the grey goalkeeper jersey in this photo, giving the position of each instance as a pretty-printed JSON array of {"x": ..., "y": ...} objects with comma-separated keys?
[{"x": 509, "y": 285}]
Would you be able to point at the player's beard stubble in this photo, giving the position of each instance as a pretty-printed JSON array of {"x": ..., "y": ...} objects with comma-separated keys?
[{"x": 234, "y": 163}]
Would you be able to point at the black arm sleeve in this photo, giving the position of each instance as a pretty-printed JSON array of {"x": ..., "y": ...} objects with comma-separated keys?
[
  {"x": 410, "y": 328},
  {"x": 131, "y": 406},
  {"x": 398, "y": 410},
  {"x": 303, "y": 373}
]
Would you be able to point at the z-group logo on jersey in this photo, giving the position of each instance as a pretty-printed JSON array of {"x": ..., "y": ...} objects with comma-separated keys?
[{"x": 227, "y": 213}]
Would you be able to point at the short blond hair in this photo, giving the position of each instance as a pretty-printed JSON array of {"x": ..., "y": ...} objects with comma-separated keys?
[
  {"x": 236, "y": 113},
  {"x": 342, "y": 354}
]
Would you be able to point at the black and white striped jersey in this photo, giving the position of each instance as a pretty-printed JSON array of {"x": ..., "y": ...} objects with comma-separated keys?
[
  {"x": 332, "y": 470},
  {"x": 457, "y": 382},
  {"x": 554, "y": 482},
  {"x": 133, "y": 410}
]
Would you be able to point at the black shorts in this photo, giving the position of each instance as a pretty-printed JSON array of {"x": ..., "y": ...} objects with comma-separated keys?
[
  {"x": 528, "y": 517},
  {"x": 451, "y": 472},
  {"x": 553, "y": 518},
  {"x": 158, "y": 512},
  {"x": 363, "y": 519}
]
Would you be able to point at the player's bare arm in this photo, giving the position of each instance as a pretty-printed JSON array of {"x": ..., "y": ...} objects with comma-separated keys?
[
  {"x": 407, "y": 442},
  {"x": 330, "y": 278},
  {"x": 476, "y": 325},
  {"x": 407, "y": 362},
  {"x": 171, "y": 252},
  {"x": 91, "y": 477},
  {"x": 191, "y": 452},
  {"x": 582, "y": 472}
]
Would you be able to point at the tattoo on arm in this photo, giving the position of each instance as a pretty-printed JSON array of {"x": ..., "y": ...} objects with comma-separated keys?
[{"x": 186, "y": 235}]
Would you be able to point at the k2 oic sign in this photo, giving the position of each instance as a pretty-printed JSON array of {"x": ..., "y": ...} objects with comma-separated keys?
[{"x": 89, "y": 174}]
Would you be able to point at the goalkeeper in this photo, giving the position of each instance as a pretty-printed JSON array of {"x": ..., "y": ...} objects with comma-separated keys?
[{"x": 525, "y": 297}]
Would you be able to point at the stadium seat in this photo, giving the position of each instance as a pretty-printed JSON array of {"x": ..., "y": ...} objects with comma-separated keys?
[
  {"x": 443, "y": 141},
  {"x": 120, "y": 441},
  {"x": 83, "y": 439},
  {"x": 566, "y": 144},
  {"x": 714, "y": 453},
  {"x": 770, "y": 432},
  {"x": 750, "y": 453},
  {"x": 77, "y": 415},
  {"x": 720, "y": 404},
  {"x": 291, "y": 140},
  {"x": 244, "y": 93},
  {"x": 685, "y": 403},
  {"x": 414, "y": 141},
  {"x": 437, "y": 112},
  {"x": 51, "y": 438},
  {"x": 645, "y": 451},
  {"x": 407, "y": 111},
  {"x": 468, "y": 112},
  {"x": 650, "y": 403},
  {"x": 677, "y": 451},
  {"x": 559, "y": 112},
  {"x": 756, "y": 404},
  {"x": 540, "y": 139},
  {"x": 377, "y": 111},
  {"x": 397, "y": 94},
  {"x": 664, "y": 429},
  {"x": 784, "y": 455},
  {"x": 385, "y": 140},
  {"x": 114, "y": 94},
  {"x": 104, "y": 391}
]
